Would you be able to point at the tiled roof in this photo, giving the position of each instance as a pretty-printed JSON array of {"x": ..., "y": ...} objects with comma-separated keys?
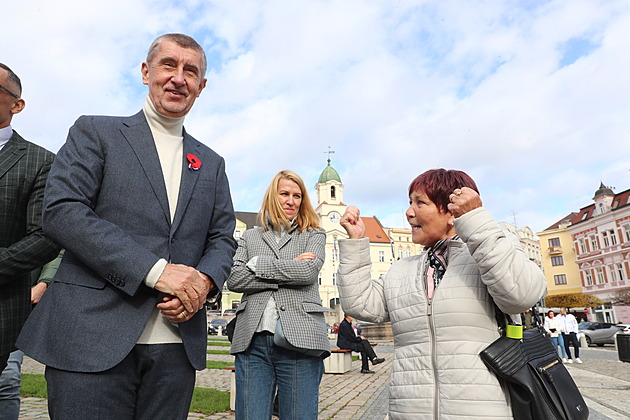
[
  {"x": 619, "y": 200},
  {"x": 568, "y": 218},
  {"x": 374, "y": 230}
]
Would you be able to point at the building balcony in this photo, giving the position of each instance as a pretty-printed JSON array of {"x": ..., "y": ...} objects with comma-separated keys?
[{"x": 554, "y": 250}]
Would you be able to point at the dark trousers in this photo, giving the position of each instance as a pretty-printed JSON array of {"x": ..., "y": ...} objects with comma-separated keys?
[
  {"x": 367, "y": 353},
  {"x": 154, "y": 382},
  {"x": 571, "y": 338}
]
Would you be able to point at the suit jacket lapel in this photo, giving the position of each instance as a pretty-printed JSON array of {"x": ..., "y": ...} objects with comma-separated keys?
[
  {"x": 11, "y": 153},
  {"x": 270, "y": 238},
  {"x": 138, "y": 134},
  {"x": 189, "y": 178}
]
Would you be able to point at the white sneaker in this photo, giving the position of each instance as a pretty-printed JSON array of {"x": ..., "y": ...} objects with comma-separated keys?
[
  {"x": 578, "y": 360},
  {"x": 571, "y": 361},
  {"x": 564, "y": 360}
]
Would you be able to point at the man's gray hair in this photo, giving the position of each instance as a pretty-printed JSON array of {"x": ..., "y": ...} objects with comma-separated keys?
[
  {"x": 14, "y": 80},
  {"x": 181, "y": 40}
]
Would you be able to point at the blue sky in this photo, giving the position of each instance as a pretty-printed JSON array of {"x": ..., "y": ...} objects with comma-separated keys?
[{"x": 530, "y": 100}]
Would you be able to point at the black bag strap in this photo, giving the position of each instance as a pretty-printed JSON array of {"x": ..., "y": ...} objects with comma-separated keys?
[{"x": 503, "y": 319}]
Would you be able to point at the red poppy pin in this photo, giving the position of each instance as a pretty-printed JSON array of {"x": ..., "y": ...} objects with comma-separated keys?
[{"x": 193, "y": 162}]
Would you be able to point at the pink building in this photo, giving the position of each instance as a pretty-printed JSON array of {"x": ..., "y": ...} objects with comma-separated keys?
[{"x": 601, "y": 237}]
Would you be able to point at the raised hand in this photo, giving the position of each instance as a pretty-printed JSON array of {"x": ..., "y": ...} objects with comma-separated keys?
[
  {"x": 352, "y": 223},
  {"x": 463, "y": 200}
]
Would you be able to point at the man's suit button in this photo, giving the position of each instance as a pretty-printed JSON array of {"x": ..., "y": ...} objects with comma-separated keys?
[{"x": 282, "y": 308}]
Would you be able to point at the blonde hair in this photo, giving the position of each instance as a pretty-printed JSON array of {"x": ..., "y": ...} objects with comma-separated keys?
[{"x": 271, "y": 211}]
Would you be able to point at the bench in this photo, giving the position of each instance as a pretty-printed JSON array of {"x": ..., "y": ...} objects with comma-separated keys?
[
  {"x": 339, "y": 361},
  {"x": 232, "y": 387}
]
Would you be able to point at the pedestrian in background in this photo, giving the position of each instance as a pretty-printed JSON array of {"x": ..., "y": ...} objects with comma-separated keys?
[
  {"x": 347, "y": 338},
  {"x": 569, "y": 334},
  {"x": 554, "y": 327},
  {"x": 280, "y": 338}
]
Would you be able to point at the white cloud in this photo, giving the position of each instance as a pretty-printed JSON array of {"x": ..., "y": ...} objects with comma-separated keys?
[{"x": 394, "y": 88}]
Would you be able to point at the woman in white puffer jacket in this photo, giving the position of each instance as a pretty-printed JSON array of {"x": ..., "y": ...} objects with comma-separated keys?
[{"x": 440, "y": 303}]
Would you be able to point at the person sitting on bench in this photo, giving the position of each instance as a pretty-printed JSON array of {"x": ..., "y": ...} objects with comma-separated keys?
[{"x": 347, "y": 339}]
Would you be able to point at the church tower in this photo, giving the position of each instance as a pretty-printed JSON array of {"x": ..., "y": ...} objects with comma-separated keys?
[
  {"x": 330, "y": 205},
  {"x": 330, "y": 208}
]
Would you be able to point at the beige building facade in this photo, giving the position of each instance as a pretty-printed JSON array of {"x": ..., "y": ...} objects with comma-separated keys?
[{"x": 559, "y": 260}]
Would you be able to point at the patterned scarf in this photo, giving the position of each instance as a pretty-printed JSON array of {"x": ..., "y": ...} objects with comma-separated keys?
[{"x": 438, "y": 258}]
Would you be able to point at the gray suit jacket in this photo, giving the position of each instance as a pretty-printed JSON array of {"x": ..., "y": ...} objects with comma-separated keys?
[
  {"x": 24, "y": 168},
  {"x": 293, "y": 285},
  {"x": 106, "y": 204}
]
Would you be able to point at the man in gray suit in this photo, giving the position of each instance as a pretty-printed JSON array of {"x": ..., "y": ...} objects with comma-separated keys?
[
  {"x": 24, "y": 167},
  {"x": 144, "y": 213}
]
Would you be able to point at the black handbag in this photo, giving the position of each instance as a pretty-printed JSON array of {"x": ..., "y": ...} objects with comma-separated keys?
[{"x": 540, "y": 386}]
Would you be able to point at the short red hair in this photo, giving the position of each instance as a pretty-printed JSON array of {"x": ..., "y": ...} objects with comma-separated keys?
[{"x": 438, "y": 185}]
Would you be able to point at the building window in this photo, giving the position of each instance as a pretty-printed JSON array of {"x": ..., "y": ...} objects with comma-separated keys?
[
  {"x": 620, "y": 272},
  {"x": 237, "y": 234},
  {"x": 585, "y": 215},
  {"x": 606, "y": 240},
  {"x": 589, "y": 277},
  {"x": 626, "y": 229},
  {"x": 319, "y": 278},
  {"x": 613, "y": 275},
  {"x": 332, "y": 192},
  {"x": 582, "y": 243},
  {"x": 381, "y": 256},
  {"x": 609, "y": 238},
  {"x": 400, "y": 253},
  {"x": 408, "y": 252},
  {"x": 616, "y": 203},
  {"x": 555, "y": 261},
  {"x": 600, "y": 275},
  {"x": 334, "y": 279},
  {"x": 560, "y": 279},
  {"x": 613, "y": 237},
  {"x": 554, "y": 242},
  {"x": 594, "y": 244}
]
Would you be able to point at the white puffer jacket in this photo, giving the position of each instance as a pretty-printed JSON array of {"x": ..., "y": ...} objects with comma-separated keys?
[{"x": 437, "y": 372}]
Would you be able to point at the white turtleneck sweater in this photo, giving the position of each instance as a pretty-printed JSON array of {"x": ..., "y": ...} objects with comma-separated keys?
[{"x": 169, "y": 142}]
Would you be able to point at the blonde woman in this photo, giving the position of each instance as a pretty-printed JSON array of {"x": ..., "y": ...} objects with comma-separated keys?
[{"x": 280, "y": 337}]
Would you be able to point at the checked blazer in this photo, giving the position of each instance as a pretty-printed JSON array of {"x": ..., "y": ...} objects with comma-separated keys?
[
  {"x": 106, "y": 203},
  {"x": 24, "y": 168},
  {"x": 293, "y": 285}
]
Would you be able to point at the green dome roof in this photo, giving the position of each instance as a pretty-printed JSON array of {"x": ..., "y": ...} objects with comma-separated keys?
[{"x": 329, "y": 174}]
